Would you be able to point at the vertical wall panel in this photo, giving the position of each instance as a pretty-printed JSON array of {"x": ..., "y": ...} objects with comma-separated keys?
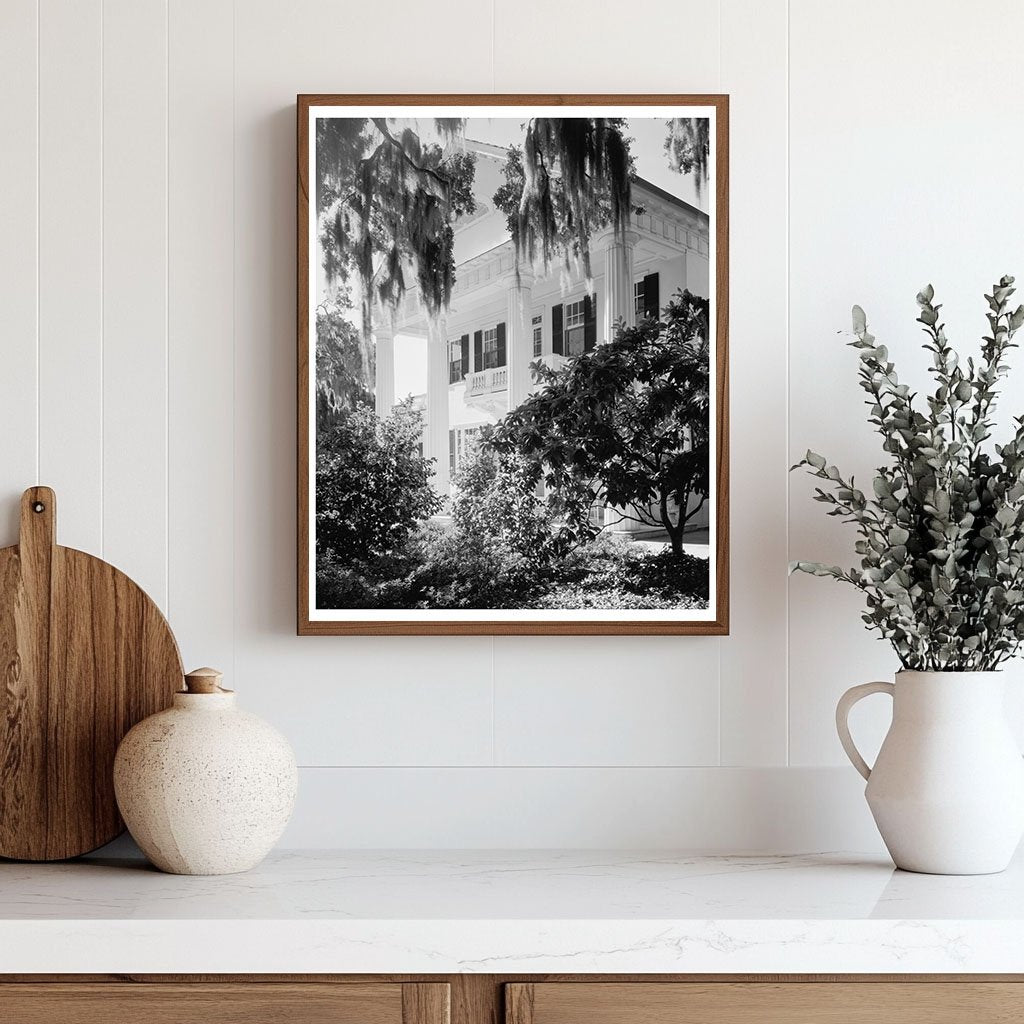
[
  {"x": 18, "y": 52},
  {"x": 682, "y": 673},
  {"x": 579, "y": 701},
  {"x": 753, "y": 667},
  {"x": 578, "y": 46},
  {"x": 312, "y": 50},
  {"x": 70, "y": 261},
  {"x": 135, "y": 290},
  {"x": 905, "y": 164},
  {"x": 200, "y": 48}
]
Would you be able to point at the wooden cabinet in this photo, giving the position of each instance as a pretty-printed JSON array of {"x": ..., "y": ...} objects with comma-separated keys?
[
  {"x": 496, "y": 999},
  {"x": 254, "y": 1002},
  {"x": 793, "y": 1002}
]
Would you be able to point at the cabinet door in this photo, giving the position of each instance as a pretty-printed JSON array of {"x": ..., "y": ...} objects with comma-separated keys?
[
  {"x": 234, "y": 1003},
  {"x": 866, "y": 1002}
]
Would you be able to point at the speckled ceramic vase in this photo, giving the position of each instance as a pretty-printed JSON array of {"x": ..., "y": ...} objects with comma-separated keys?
[{"x": 204, "y": 788}]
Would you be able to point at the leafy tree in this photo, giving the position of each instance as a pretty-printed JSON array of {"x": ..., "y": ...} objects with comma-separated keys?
[
  {"x": 627, "y": 424},
  {"x": 688, "y": 146},
  {"x": 385, "y": 201},
  {"x": 372, "y": 484},
  {"x": 344, "y": 366},
  {"x": 571, "y": 177}
]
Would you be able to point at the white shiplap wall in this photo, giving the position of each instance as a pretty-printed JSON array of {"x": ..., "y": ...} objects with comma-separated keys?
[{"x": 147, "y": 282}]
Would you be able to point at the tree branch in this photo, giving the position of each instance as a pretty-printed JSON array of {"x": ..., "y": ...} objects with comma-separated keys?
[{"x": 381, "y": 125}]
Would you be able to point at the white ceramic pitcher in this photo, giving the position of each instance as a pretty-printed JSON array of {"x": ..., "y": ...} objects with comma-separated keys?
[{"x": 947, "y": 789}]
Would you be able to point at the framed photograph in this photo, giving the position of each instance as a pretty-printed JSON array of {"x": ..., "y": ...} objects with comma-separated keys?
[{"x": 512, "y": 364}]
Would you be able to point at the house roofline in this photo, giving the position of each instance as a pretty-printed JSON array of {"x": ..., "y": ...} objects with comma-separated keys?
[
  {"x": 490, "y": 149},
  {"x": 661, "y": 193}
]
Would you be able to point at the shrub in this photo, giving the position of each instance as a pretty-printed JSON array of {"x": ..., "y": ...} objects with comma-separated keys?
[
  {"x": 613, "y": 574},
  {"x": 464, "y": 570},
  {"x": 496, "y": 497},
  {"x": 372, "y": 485}
]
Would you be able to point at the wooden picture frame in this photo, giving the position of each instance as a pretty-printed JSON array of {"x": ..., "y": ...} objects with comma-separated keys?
[{"x": 713, "y": 621}]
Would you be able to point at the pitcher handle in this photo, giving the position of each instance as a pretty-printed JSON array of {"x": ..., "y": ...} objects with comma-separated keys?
[{"x": 846, "y": 702}]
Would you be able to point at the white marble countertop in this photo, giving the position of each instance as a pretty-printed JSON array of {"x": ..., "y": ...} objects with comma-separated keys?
[{"x": 490, "y": 912}]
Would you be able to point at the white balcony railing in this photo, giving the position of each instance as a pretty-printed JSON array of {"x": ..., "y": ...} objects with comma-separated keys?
[{"x": 487, "y": 381}]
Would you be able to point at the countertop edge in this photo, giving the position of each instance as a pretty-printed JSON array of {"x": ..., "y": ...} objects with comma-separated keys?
[{"x": 492, "y": 946}]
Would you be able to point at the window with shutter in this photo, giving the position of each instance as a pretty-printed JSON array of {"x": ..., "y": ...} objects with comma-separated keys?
[
  {"x": 638, "y": 299},
  {"x": 652, "y": 301},
  {"x": 589, "y": 324},
  {"x": 538, "y": 336},
  {"x": 645, "y": 297},
  {"x": 575, "y": 321},
  {"x": 464, "y": 346},
  {"x": 556, "y": 329},
  {"x": 478, "y": 351},
  {"x": 454, "y": 362},
  {"x": 502, "y": 352},
  {"x": 490, "y": 337}
]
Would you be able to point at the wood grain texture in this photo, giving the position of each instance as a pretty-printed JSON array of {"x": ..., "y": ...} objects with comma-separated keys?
[
  {"x": 720, "y": 501},
  {"x": 84, "y": 655},
  {"x": 476, "y": 999},
  {"x": 205, "y": 1004},
  {"x": 426, "y": 1004},
  {"x": 765, "y": 1003}
]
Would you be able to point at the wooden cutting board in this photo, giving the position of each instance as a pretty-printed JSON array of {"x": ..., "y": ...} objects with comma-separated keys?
[{"x": 84, "y": 655}]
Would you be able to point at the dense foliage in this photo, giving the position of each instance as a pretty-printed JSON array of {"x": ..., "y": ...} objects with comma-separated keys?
[
  {"x": 344, "y": 366},
  {"x": 942, "y": 538},
  {"x": 372, "y": 485},
  {"x": 626, "y": 425}
]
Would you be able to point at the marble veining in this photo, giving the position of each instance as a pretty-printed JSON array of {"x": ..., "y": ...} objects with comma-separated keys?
[{"x": 496, "y": 912}]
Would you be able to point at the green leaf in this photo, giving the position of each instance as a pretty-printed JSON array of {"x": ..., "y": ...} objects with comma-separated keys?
[{"x": 860, "y": 321}]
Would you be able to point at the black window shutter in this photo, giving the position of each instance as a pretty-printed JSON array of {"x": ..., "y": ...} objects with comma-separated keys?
[
  {"x": 556, "y": 329},
  {"x": 589, "y": 324},
  {"x": 464, "y": 344},
  {"x": 501, "y": 344},
  {"x": 478, "y": 351},
  {"x": 652, "y": 303}
]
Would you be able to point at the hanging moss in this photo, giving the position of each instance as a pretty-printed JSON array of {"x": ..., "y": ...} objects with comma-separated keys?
[
  {"x": 571, "y": 178},
  {"x": 688, "y": 147},
  {"x": 389, "y": 202}
]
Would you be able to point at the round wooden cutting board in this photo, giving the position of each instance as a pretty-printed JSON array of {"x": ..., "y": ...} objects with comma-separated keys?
[{"x": 84, "y": 655}]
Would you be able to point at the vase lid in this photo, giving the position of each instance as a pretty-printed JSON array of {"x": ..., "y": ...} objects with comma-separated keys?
[{"x": 204, "y": 681}]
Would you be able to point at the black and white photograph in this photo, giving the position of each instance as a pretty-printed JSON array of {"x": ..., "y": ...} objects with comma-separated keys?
[{"x": 512, "y": 365}]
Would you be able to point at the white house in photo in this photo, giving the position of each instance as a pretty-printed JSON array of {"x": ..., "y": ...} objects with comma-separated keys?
[{"x": 478, "y": 366}]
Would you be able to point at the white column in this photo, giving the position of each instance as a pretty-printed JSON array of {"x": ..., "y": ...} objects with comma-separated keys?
[
  {"x": 618, "y": 282},
  {"x": 384, "y": 370},
  {"x": 518, "y": 338},
  {"x": 618, "y": 303},
  {"x": 437, "y": 403}
]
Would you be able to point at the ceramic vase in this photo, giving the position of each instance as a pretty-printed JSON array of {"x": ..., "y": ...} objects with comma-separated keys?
[
  {"x": 947, "y": 788},
  {"x": 204, "y": 788}
]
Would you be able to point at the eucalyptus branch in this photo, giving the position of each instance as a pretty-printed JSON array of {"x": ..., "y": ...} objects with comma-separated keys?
[{"x": 942, "y": 539}]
